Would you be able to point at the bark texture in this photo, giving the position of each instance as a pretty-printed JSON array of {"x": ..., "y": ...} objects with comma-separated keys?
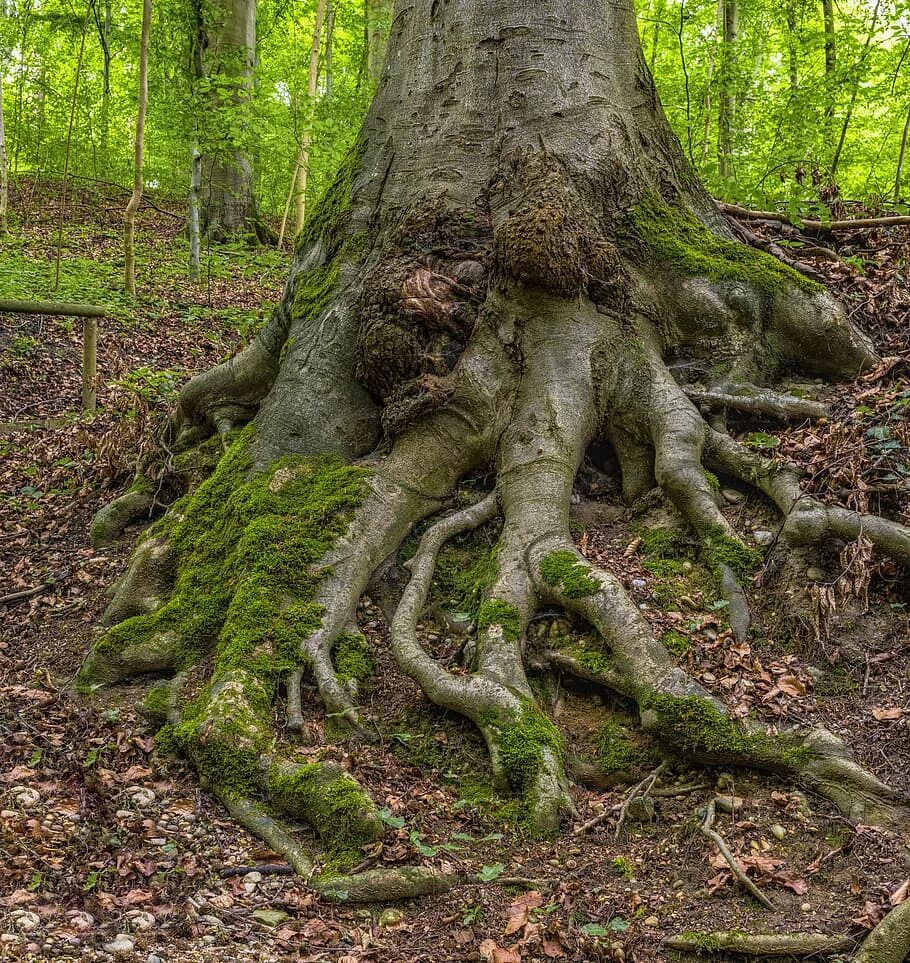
[{"x": 515, "y": 263}]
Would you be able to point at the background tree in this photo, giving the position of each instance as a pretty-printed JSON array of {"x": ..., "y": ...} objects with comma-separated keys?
[
  {"x": 495, "y": 282},
  {"x": 129, "y": 227}
]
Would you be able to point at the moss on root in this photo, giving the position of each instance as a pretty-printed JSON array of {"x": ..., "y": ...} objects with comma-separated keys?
[
  {"x": 721, "y": 549},
  {"x": 676, "y": 242},
  {"x": 572, "y": 577},
  {"x": 696, "y": 727},
  {"x": 353, "y": 658},
  {"x": 522, "y": 738},
  {"x": 249, "y": 548},
  {"x": 615, "y": 750},
  {"x": 331, "y": 802},
  {"x": 497, "y": 612}
]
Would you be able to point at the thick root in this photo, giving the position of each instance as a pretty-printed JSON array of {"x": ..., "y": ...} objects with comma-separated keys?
[
  {"x": 759, "y": 944},
  {"x": 889, "y": 942},
  {"x": 760, "y": 402}
]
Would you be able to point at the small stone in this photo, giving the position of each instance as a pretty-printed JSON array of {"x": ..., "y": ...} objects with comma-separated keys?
[
  {"x": 815, "y": 575},
  {"x": 732, "y": 496},
  {"x": 639, "y": 584},
  {"x": 640, "y": 810},
  {"x": 25, "y": 920},
  {"x": 81, "y": 920},
  {"x": 269, "y": 917},
  {"x": 25, "y": 797},
  {"x": 140, "y": 920},
  {"x": 391, "y": 917},
  {"x": 124, "y": 814},
  {"x": 652, "y": 921},
  {"x": 571, "y": 864},
  {"x": 806, "y": 907},
  {"x": 729, "y": 804},
  {"x": 725, "y": 781},
  {"x": 153, "y": 958},
  {"x": 778, "y": 831},
  {"x": 253, "y": 877},
  {"x": 121, "y": 945},
  {"x": 140, "y": 796},
  {"x": 158, "y": 841},
  {"x": 763, "y": 537},
  {"x": 678, "y": 884}
]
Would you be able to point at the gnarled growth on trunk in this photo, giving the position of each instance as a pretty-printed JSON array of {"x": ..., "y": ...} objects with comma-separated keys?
[{"x": 497, "y": 278}]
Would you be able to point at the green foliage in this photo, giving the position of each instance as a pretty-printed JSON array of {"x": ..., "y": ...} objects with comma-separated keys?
[{"x": 565, "y": 571}]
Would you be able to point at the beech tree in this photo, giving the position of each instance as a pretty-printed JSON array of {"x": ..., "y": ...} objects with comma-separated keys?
[{"x": 514, "y": 267}]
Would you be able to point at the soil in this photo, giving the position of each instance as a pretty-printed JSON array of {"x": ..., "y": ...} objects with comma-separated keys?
[{"x": 112, "y": 851}]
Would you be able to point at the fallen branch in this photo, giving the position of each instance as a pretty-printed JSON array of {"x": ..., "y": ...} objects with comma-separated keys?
[
  {"x": 707, "y": 829},
  {"x": 32, "y": 592},
  {"x": 759, "y": 401},
  {"x": 60, "y": 308},
  {"x": 851, "y": 224},
  {"x": 759, "y": 944}
]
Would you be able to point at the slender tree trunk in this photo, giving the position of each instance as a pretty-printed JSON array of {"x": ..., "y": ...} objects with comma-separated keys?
[
  {"x": 830, "y": 55},
  {"x": 306, "y": 137},
  {"x": 129, "y": 228},
  {"x": 792, "y": 47},
  {"x": 103, "y": 25},
  {"x": 378, "y": 14},
  {"x": 728, "y": 16},
  {"x": 901, "y": 157},
  {"x": 659, "y": 14},
  {"x": 329, "y": 49},
  {"x": 4, "y": 170},
  {"x": 854, "y": 92},
  {"x": 193, "y": 223},
  {"x": 224, "y": 61}
]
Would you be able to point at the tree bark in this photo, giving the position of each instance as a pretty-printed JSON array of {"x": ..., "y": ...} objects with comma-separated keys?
[
  {"x": 728, "y": 18},
  {"x": 510, "y": 266},
  {"x": 132, "y": 207},
  {"x": 377, "y": 14},
  {"x": 4, "y": 171},
  {"x": 224, "y": 59}
]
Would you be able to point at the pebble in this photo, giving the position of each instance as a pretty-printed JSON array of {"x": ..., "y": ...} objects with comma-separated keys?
[
  {"x": 806, "y": 907},
  {"x": 121, "y": 945},
  {"x": 153, "y": 958},
  {"x": 158, "y": 841},
  {"x": 733, "y": 496},
  {"x": 778, "y": 831},
  {"x": 140, "y": 796},
  {"x": 270, "y": 917},
  {"x": 391, "y": 917},
  {"x": 140, "y": 920},
  {"x": 763, "y": 537},
  {"x": 25, "y": 920},
  {"x": 815, "y": 575},
  {"x": 25, "y": 797},
  {"x": 639, "y": 583},
  {"x": 651, "y": 921},
  {"x": 253, "y": 877},
  {"x": 729, "y": 804}
]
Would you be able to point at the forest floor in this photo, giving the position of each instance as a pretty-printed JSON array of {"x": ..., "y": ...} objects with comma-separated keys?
[{"x": 111, "y": 851}]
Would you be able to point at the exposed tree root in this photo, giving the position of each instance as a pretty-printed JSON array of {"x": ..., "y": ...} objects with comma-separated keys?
[
  {"x": 759, "y": 944},
  {"x": 761, "y": 402},
  {"x": 889, "y": 942}
]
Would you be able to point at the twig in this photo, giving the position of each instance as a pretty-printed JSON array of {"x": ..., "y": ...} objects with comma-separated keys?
[
  {"x": 642, "y": 789},
  {"x": 622, "y": 807},
  {"x": 32, "y": 592},
  {"x": 707, "y": 829}
]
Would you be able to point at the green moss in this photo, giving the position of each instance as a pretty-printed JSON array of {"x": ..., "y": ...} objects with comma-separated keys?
[
  {"x": 696, "y": 727},
  {"x": 676, "y": 643},
  {"x": 666, "y": 567},
  {"x": 722, "y": 549},
  {"x": 663, "y": 542},
  {"x": 564, "y": 570},
  {"x": 523, "y": 737},
  {"x": 353, "y": 658},
  {"x": 497, "y": 612},
  {"x": 464, "y": 571},
  {"x": 712, "y": 480},
  {"x": 249, "y": 547},
  {"x": 615, "y": 751},
  {"x": 329, "y": 218},
  {"x": 675, "y": 241},
  {"x": 157, "y": 703},
  {"x": 330, "y": 801},
  {"x": 313, "y": 290}
]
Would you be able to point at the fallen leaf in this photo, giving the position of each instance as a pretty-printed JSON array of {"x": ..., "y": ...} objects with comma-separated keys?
[{"x": 887, "y": 714}]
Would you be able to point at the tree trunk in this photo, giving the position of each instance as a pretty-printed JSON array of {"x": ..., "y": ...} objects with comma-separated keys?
[
  {"x": 4, "y": 171},
  {"x": 132, "y": 207},
  {"x": 377, "y": 14},
  {"x": 830, "y": 54},
  {"x": 728, "y": 19},
  {"x": 506, "y": 270},
  {"x": 224, "y": 59}
]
